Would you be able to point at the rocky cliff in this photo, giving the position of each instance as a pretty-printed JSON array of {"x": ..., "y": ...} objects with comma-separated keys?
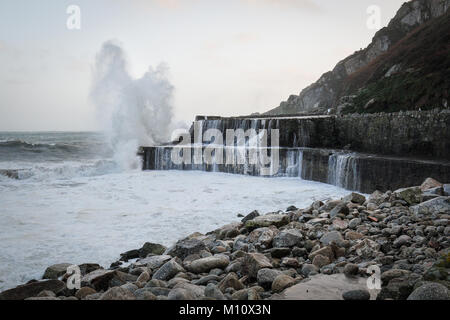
[{"x": 338, "y": 88}]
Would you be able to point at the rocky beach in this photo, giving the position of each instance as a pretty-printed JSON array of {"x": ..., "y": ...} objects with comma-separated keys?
[{"x": 400, "y": 239}]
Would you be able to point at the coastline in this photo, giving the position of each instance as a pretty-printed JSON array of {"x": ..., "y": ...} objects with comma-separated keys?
[{"x": 404, "y": 233}]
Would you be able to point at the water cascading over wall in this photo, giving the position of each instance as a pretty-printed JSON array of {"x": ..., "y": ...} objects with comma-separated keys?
[{"x": 311, "y": 148}]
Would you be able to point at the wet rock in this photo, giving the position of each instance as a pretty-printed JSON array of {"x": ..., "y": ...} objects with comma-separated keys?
[
  {"x": 252, "y": 215},
  {"x": 355, "y": 198},
  {"x": 430, "y": 291},
  {"x": 184, "y": 248},
  {"x": 131, "y": 254},
  {"x": 206, "y": 264},
  {"x": 56, "y": 270},
  {"x": 266, "y": 276},
  {"x": 230, "y": 281},
  {"x": 151, "y": 248},
  {"x": 168, "y": 271},
  {"x": 282, "y": 282},
  {"x": 287, "y": 238},
  {"x": 277, "y": 220},
  {"x": 118, "y": 293},
  {"x": 98, "y": 279},
  {"x": 46, "y": 293},
  {"x": 356, "y": 295},
  {"x": 86, "y": 268}
]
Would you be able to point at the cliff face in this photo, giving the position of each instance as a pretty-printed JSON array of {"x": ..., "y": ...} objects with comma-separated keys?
[{"x": 332, "y": 89}]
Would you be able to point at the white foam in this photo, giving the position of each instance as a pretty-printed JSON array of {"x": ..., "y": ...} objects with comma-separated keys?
[{"x": 95, "y": 218}]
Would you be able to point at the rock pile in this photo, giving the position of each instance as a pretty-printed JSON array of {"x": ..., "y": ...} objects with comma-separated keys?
[{"x": 404, "y": 233}]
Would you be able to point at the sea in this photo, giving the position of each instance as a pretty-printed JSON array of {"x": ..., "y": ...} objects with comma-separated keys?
[{"x": 65, "y": 199}]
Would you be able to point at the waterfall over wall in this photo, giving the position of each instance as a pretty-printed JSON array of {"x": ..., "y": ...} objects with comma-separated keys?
[{"x": 318, "y": 148}]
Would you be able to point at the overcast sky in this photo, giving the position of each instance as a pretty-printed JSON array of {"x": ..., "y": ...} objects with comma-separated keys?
[{"x": 226, "y": 57}]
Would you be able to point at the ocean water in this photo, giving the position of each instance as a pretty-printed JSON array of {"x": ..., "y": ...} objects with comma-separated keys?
[{"x": 64, "y": 199}]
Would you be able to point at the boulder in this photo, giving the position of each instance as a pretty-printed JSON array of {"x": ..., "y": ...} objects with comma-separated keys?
[
  {"x": 430, "y": 291},
  {"x": 253, "y": 262},
  {"x": 430, "y": 183},
  {"x": 98, "y": 279},
  {"x": 325, "y": 251},
  {"x": 282, "y": 282},
  {"x": 252, "y": 215},
  {"x": 340, "y": 208},
  {"x": 277, "y": 220},
  {"x": 266, "y": 276},
  {"x": 168, "y": 271},
  {"x": 263, "y": 236},
  {"x": 32, "y": 289},
  {"x": 55, "y": 271},
  {"x": 209, "y": 263},
  {"x": 355, "y": 198},
  {"x": 151, "y": 248},
  {"x": 439, "y": 205},
  {"x": 351, "y": 269},
  {"x": 287, "y": 238},
  {"x": 230, "y": 281},
  {"x": 321, "y": 261},
  {"x": 366, "y": 248},
  {"x": 186, "y": 247},
  {"x": 411, "y": 195},
  {"x": 154, "y": 262},
  {"x": 332, "y": 237}
]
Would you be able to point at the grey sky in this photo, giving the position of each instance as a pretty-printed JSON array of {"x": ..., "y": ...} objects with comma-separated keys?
[{"x": 225, "y": 57}]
